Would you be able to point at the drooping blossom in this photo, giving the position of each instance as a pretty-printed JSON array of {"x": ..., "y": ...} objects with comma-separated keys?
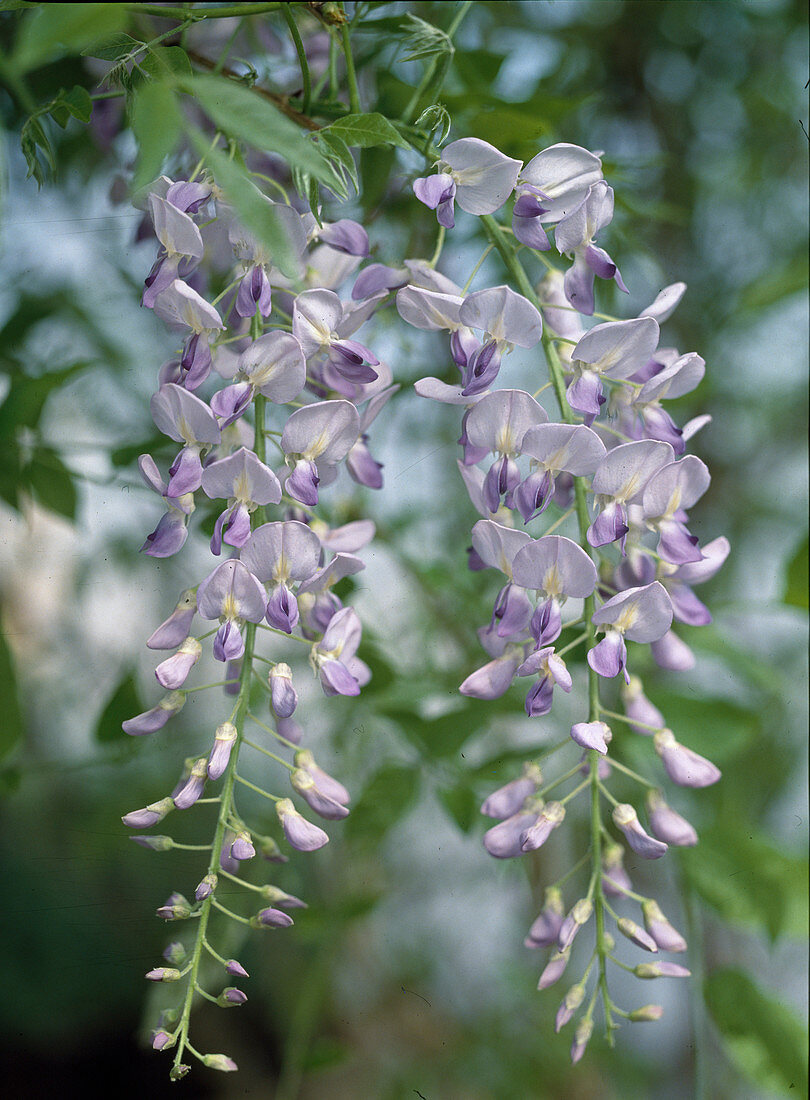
[
  {"x": 280, "y": 554},
  {"x": 233, "y": 595},
  {"x": 576, "y": 236},
  {"x": 472, "y": 173},
  {"x": 640, "y": 614}
]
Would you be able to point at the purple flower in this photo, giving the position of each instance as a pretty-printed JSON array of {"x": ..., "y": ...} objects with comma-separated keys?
[
  {"x": 668, "y": 825},
  {"x": 619, "y": 481},
  {"x": 626, "y": 818},
  {"x": 242, "y": 846},
  {"x": 659, "y": 928},
  {"x": 671, "y": 489},
  {"x": 549, "y": 818},
  {"x": 224, "y": 741},
  {"x": 640, "y": 710},
  {"x": 324, "y": 433},
  {"x": 278, "y": 554},
  {"x": 661, "y": 970},
  {"x": 554, "y": 448},
  {"x": 232, "y": 594},
  {"x": 509, "y": 799},
  {"x": 577, "y": 918},
  {"x": 334, "y": 658},
  {"x": 546, "y": 928},
  {"x": 175, "y": 629},
  {"x": 556, "y": 567},
  {"x": 186, "y": 419},
  {"x": 576, "y": 235},
  {"x": 172, "y": 672},
  {"x": 570, "y": 1003},
  {"x": 592, "y": 735},
  {"x": 504, "y": 841},
  {"x": 640, "y": 614},
  {"x": 683, "y": 766},
  {"x": 582, "y": 1037},
  {"x": 157, "y": 717},
  {"x": 231, "y": 997},
  {"x": 554, "y": 968},
  {"x": 631, "y": 930},
  {"x": 300, "y": 833},
  {"x": 236, "y": 969},
  {"x": 194, "y": 785},
  {"x": 206, "y": 887},
  {"x": 475, "y": 174},
  {"x": 562, "y": 176},
  {"x": 244, "y": 482},
  {"x": 272, "y": 918},
  {"x": 150, "y": 815}
]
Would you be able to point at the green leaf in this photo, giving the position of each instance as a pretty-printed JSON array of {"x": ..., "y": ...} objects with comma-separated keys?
[
  {"x": 11, "y": 727},
  {"x": 73, "y": 104},
  {"x": 764, "y": 1038},
  {"x": 254, "y": 210},
  {"x": 125, "y": 702},
  {"x": 55, "y": 29},
  {"x": 749, "y": 881},
  {"x": 51, "y": 482},
  {"x": 114, "y": 47},
  {"x": 438, "y": 737},
  {"x": 385, "y": 799},
  {"x": 247, "y": 116},
  {"x": 338, "y": 150},
  {"x": 126, "y": 455},
  {"x": 156, "y": 123},
  {"x": 163, "y": 61},
  {"x": 363, "y": 131},
  {"x": 796, "y": 578}
]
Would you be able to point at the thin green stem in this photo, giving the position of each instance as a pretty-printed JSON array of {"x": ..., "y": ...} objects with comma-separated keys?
[
  {"x": 631, "y": 721},
  {"x": 351, "y": 75},
  {"x": 226, "y": 49},
  {"x": 577, "y": 641},
  {"x": 633, "y": 775},
  {"x": 430, "y": 71},
  {"x": 229, "y": 912},
  {"x": 260, "y": 790},
  {"x": 241, "y": 882},
  {"x": 476, "y": 269},
  {"x": 302, "y": 58},
  {"x": 573, "y": 794},
  {"x": 227, "y": 11},
  {"x": 557, "y": 522},
  {"x": 439, "y": 246},
  {"x": 561, "y": 779}
]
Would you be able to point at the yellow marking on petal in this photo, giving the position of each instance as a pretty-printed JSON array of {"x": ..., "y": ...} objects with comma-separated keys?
[
  {"x": 552, "y": 581},
  {"x": 317, "y": 446},
  {"x": 230, "y": 607},
  {"x": 281, "y": 573},
  {"x": 627, "y": 618},
  {"x": 241, "y": 488}
]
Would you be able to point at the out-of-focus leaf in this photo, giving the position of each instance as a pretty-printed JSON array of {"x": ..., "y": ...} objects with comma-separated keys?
[
  {"x": 11, "y": 727},
  {"x": 385, "y": 799},
  {"x": 438, "y": 737},
  {"x": 477, "y": 66},
  {"x": 254, "y": 210},
  {"x": 124, "y": 703},
  {"x": 461, "y": 804},
  {"x": 51, "y": 482},
  {"x": 156, "y": 123},
  {"x": 771, "y": 287},
  {"x": 764, "y": 1038},
  {"x": 246, "y": 116},
  {"x": 749, "y": 881},
  {"x": 363, "y": 131},
  {"x": 126, "y": 455},
  {"x": 112, "y": 48},
  {"x": 796, "y": 578},
  {"x": 164, "y": 61},
  {"x": 375, "y": 172},
  {"x": 27, "y": 396},
  {"x": 55, "y": 29}
]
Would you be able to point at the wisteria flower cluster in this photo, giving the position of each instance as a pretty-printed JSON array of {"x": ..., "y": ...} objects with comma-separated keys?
[
  {"x": 291, "y": 379},
  {"x": 613, "y": 469}
]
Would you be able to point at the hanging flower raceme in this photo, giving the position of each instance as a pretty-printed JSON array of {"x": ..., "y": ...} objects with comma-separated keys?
[
  {"x": 635, "y": 494},
  {"x": 275, "y": 559}
]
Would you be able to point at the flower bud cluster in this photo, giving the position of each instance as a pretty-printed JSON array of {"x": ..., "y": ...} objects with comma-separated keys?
[
  {"x": 267, "y": 397},
  {"x": 613, "y": 472}
]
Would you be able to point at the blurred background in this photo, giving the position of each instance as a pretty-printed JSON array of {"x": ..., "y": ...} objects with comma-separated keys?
[{"x": 407, "y": 975}]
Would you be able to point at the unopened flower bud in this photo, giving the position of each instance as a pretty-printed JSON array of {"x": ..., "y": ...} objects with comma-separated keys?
[
  {"x": 163, "y": 974},
  {"x": 290, "y": 730},
  {"x": 206, "y": 887},
  {"x": 242, "y": 846},
  {"x": 172, "y": 632},
  {"x": 174, "y": 953},
  {"x": 554, "y": 968},
  {"x": 173, "y": 672},
  {"x": 615, "y": 880},
  {"x": 322, "y": 804},
  {"x": 326, "y": 783},
  {"x": 570, "y": 1003},
  {"x": 271, "y": 918},
  {"x": 579, "y": 916},
  {"x": 224, "y": 741},
  {"x": 236, "y": 969},
  {"x": 221, "y": 1062},
  {"x": 582, "y": 1037},
  {"x": 157, "y": 717},
  {"x": 509, "y": 799},
  {"x": 631, "y": 930},
  {"x": 549, "y": 818},
  {"x": 683, "y": 766},
  {"x": 150, "y": 815},
  {"x": 546, "y": 928},
  {"x": 177, "y": 1073},
  {"x": 661, "y": 970},
  {"x": 626, "y": 818},
  {"x": 279, "y": 897},
  {"x": 161, "y": 1039},
  {"x": 154, "y": 843},
  {"x": 271, "y": 851},
  {"x": 194, "y": 785},
  {"x": 176, "y": 907},
  {"x": 668, "y": 825},
  {"x": 667, "y": 937},
  {"x": 300, "y": 833},
  {"x": 638, "y": 708},
  {"x": 282, "y": 693},
  {"x": 647, "y": 1013},
  {"x": 230, "y": 997}
]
